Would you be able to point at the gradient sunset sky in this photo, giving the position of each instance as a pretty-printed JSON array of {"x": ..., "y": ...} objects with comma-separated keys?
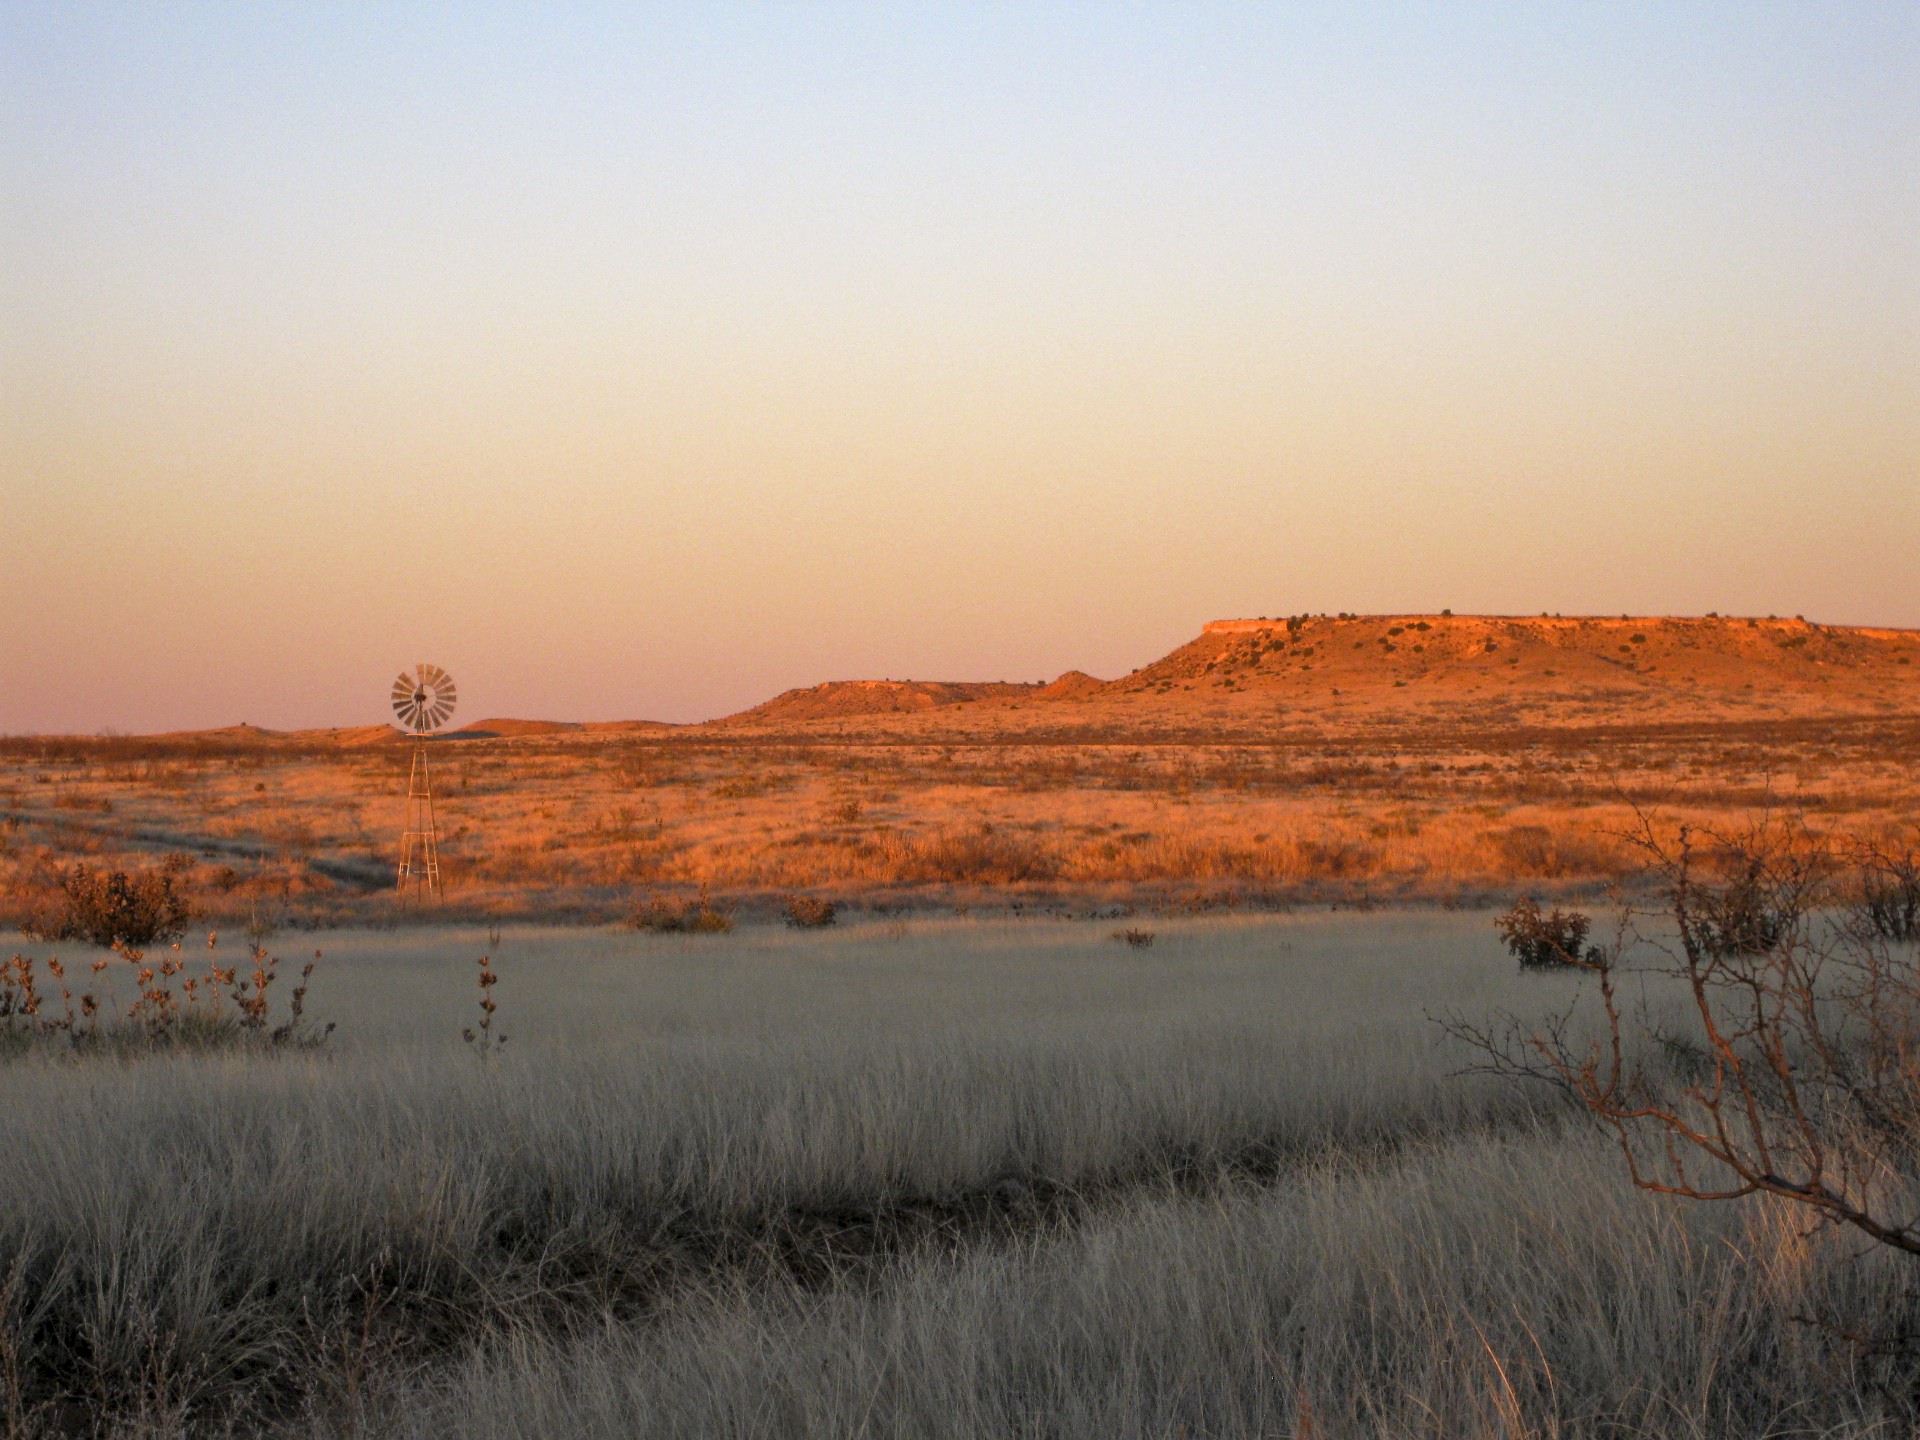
[{"x": 643, "y": 361}]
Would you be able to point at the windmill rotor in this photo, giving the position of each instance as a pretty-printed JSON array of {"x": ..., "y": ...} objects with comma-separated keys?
[
  {"x": 425, "y": 699},
  {"x": 422, "y": 702}
]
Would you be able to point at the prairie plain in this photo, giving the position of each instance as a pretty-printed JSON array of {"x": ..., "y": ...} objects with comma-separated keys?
[
  {"x": 1411, "y": 759},
  {"x": 1118, "y": 1098}
]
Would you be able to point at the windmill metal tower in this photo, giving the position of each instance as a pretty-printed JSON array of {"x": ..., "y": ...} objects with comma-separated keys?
[{"x": 423, "y": 701}]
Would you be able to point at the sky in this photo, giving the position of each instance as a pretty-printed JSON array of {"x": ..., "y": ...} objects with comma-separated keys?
[{"x": 645, "y": 361}]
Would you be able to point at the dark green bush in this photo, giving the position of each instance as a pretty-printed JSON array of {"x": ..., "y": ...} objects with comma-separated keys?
[
  {"x": 1750, "y": 915},
  {"x": 1544, "y": 942},
  {"x": 1890, "y": 897}
]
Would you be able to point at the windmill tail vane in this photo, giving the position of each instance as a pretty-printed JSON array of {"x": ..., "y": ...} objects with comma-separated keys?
[{"x": 422, "y": 701}]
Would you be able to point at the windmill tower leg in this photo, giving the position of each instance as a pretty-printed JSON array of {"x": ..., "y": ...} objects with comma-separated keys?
[{"x": 420, "y": 844}]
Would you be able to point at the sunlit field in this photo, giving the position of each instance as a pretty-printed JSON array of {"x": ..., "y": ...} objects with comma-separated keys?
[
  {"x": 584, "y": 826},
  {"x": 918, "y": 1177}
]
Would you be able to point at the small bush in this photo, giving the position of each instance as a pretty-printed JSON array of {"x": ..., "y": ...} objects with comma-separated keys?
[
  {"x": 810, "y": 912},
  {"x": 1543, "y": 942},
  {"x": 112, "y": 908},
  {"x": 1890, "y": 897},
  {"x": 666, "y": 916},
  {"x": 1749, "y": 916},
  {"x": 1137, "y": 939}
]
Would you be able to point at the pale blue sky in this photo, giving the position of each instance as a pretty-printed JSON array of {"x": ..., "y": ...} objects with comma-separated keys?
[{"x": 676, "y": 355}]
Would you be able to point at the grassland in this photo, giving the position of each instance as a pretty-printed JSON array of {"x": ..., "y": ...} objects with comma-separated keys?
[
  {"x": 962, "y": 1164},
  {"x": 580, "y": 826},
  {"x": 929, "y": 1177},
  {"x": 1361, "y": 760}
]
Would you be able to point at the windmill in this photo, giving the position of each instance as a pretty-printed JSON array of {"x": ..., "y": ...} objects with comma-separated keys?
[{"x": 422, "y": 701}]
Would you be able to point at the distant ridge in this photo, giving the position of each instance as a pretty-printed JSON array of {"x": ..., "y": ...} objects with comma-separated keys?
[
  {"x": 1584, "y": 669},
  {"x": 839, "y": 699},
  {"x": 1649, "y": 656},
  {"x": 1548, "y": 669}
]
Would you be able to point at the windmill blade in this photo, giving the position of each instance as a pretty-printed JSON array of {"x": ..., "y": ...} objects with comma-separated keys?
[{"x": 424, "y": 699}]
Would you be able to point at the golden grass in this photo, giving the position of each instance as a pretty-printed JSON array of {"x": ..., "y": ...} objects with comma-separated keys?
[{"x": 586, "y": 825}]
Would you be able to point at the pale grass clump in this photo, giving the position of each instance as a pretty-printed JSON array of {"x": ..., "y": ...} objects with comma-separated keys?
[
  {"x": 800, "y": 1107},
  {"x": 1487, "y": 1286},
  {"x": 994, "y": 1178}
]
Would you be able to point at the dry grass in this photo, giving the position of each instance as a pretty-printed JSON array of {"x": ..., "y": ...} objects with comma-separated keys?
[
  {"x": 950, "y": 1179},
  {"x": 1508, "y": 1286},
  {"x": 581, "y": 825}
]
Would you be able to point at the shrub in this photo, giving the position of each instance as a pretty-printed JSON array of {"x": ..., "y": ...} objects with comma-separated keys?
[
  {"x": 810, "y": 912},
  {"x": 1889, "y": 904},
  {"x": 1750, "y": 915},
  {"x": 112, "y": 908},
  {"x": 1795, "y": 1064},
  {"x": 1529, "y": 850},
  {"x": 982, "y": 855},
  {"x": 1544, "y": 942},
  {"x": 1137, "y": 939},
  {"x": 666, "y": 916}
]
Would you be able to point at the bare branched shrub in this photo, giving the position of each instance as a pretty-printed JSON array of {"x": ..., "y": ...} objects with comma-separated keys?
[
  {"x": 1795, "y": 1069},
  {"x": 111, "y": 907}
]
